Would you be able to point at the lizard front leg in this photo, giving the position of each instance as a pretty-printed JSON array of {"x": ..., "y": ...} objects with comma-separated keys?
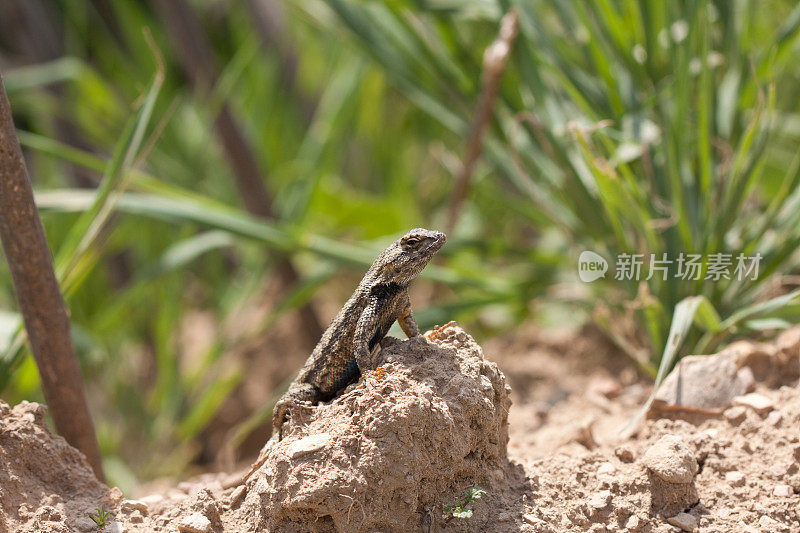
[
  {"x": 406, "y": 319},
  {"x": 366, "y": 330},
  {"x": 298, "y": 392}
]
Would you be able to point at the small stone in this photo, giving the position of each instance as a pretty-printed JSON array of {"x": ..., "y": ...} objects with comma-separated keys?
[
  {"x": 117, "y": 527},
  {"x": 533, "y": 520},
  {"x": 701, "y": 383},
  {"x": 735, "y": 415},
  {"x": 633, "y": 523},
  {"x": 308, "y": 445},
  {"x": 624, "y": 454},
  {"x": 194, "y": 523},
  {"x": 606, "y": 468},
  {"x": 136, "y": 517},
  {"x": 600, "y": 499},
  {"x": 735, "y": 478},
  {"x": 755, "y": 401},
  {"x": 783, "y": 491},
  {"x": 48, "y": 513},
  {"x": 671, "y": 460},
  {"x": 134, "y": 505},
  {"x": 85, "y": 524},
  {"x": 685, "y": 521},
  {"x": 774, "y": 418}
]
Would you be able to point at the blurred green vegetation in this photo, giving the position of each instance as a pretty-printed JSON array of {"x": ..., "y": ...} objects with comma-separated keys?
[{"x": 620, "y": 127}]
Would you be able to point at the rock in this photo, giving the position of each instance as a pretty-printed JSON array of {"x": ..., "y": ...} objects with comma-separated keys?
[
  {"x": 134, "y": 505},
  {"x": 757, "y": 402},
  {"x": 633, "y": 523},
  {"x": 49, "y": 514},
  {"x": 685, "y": 521},
  {"x": 624, "y": 454},
  {"x": 606, "y": 469},
  {"x": 783, "y": 491},
  {"x": 774, "y": 418},
  {"x": 308, "y": 445},
  {"x": 735, "y": 478},
  {"x": 194, "y": 523},
  {"x": 779, "y": 469},
  {"x": 534, "y": 521},
  {"x": 701, "y": 383},
  {"x": 671, "y": 460},
  {"x": 600, "y": 499},
  {"x": 735, "y": 415}
]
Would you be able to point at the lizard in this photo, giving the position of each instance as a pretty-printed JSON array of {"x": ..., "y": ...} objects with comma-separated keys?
[{"x": 344, "y": 350}]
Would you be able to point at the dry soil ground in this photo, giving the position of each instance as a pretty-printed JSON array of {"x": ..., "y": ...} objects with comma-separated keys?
[{"x": 393, "y": 449}]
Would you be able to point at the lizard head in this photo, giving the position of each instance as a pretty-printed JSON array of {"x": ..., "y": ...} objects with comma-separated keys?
[{"x": 405, "y": 258}]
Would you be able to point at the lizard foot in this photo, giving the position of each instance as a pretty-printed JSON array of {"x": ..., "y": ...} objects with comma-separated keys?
[{"x": 438, "y": 331}]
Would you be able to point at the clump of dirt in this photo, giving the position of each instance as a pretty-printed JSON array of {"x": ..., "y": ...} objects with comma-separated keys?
[
  {"x": 391, "y": 451},
  {"x": 45, "y": 484}
]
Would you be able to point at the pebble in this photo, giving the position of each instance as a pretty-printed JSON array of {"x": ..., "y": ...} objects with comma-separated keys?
[
  {"x": 48, "y": 513},
  {"x": 134, "y": 505},
  {"x": 600, "y": 499},
  {"x": 606, "y": 468},
  {"x": 533, "y": 520},
  {"x": 735, "y": 415},
  {"x": 783, "y": 491},
  {"x": 308, "y": 445},
  {"x": 195, "y": 523},
  {"x": 779, "y": 470},
  {"x": 624, "y": 454},
  {"x": 775, "y": 418},
  {"x": 86, "y": 524},
  {"x": 671, "y": 460},
  {"x": 633, "y": 523},
  {"x": 685, "y": 521},
  {"x": 735, "y": 478},
  {"x": 755, "y": 401}
]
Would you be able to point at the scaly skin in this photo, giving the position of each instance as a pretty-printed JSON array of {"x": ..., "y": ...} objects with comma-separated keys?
[
  {"x": 344, "y": 350},
  {"x": 380, "y": 299}
]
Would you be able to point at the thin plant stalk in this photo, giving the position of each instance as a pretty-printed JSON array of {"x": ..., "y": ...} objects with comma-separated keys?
[
  {"x": 494, "y": 64},
  {"x": 39, "y": 296}
]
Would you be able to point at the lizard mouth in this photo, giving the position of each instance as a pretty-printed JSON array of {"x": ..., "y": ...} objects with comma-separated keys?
[{"x": 437, "y": 243}]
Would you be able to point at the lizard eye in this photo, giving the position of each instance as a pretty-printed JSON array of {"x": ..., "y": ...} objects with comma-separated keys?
[{"x": 411, "y": 241}]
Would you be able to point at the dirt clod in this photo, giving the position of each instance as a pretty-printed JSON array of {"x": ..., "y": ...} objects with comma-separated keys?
[
  {"x": 380, "y": 455},
  {"x": 671, "y": 460},
  {"x": 45, "y": 484},
  {"x": 685, "y": 521}
]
